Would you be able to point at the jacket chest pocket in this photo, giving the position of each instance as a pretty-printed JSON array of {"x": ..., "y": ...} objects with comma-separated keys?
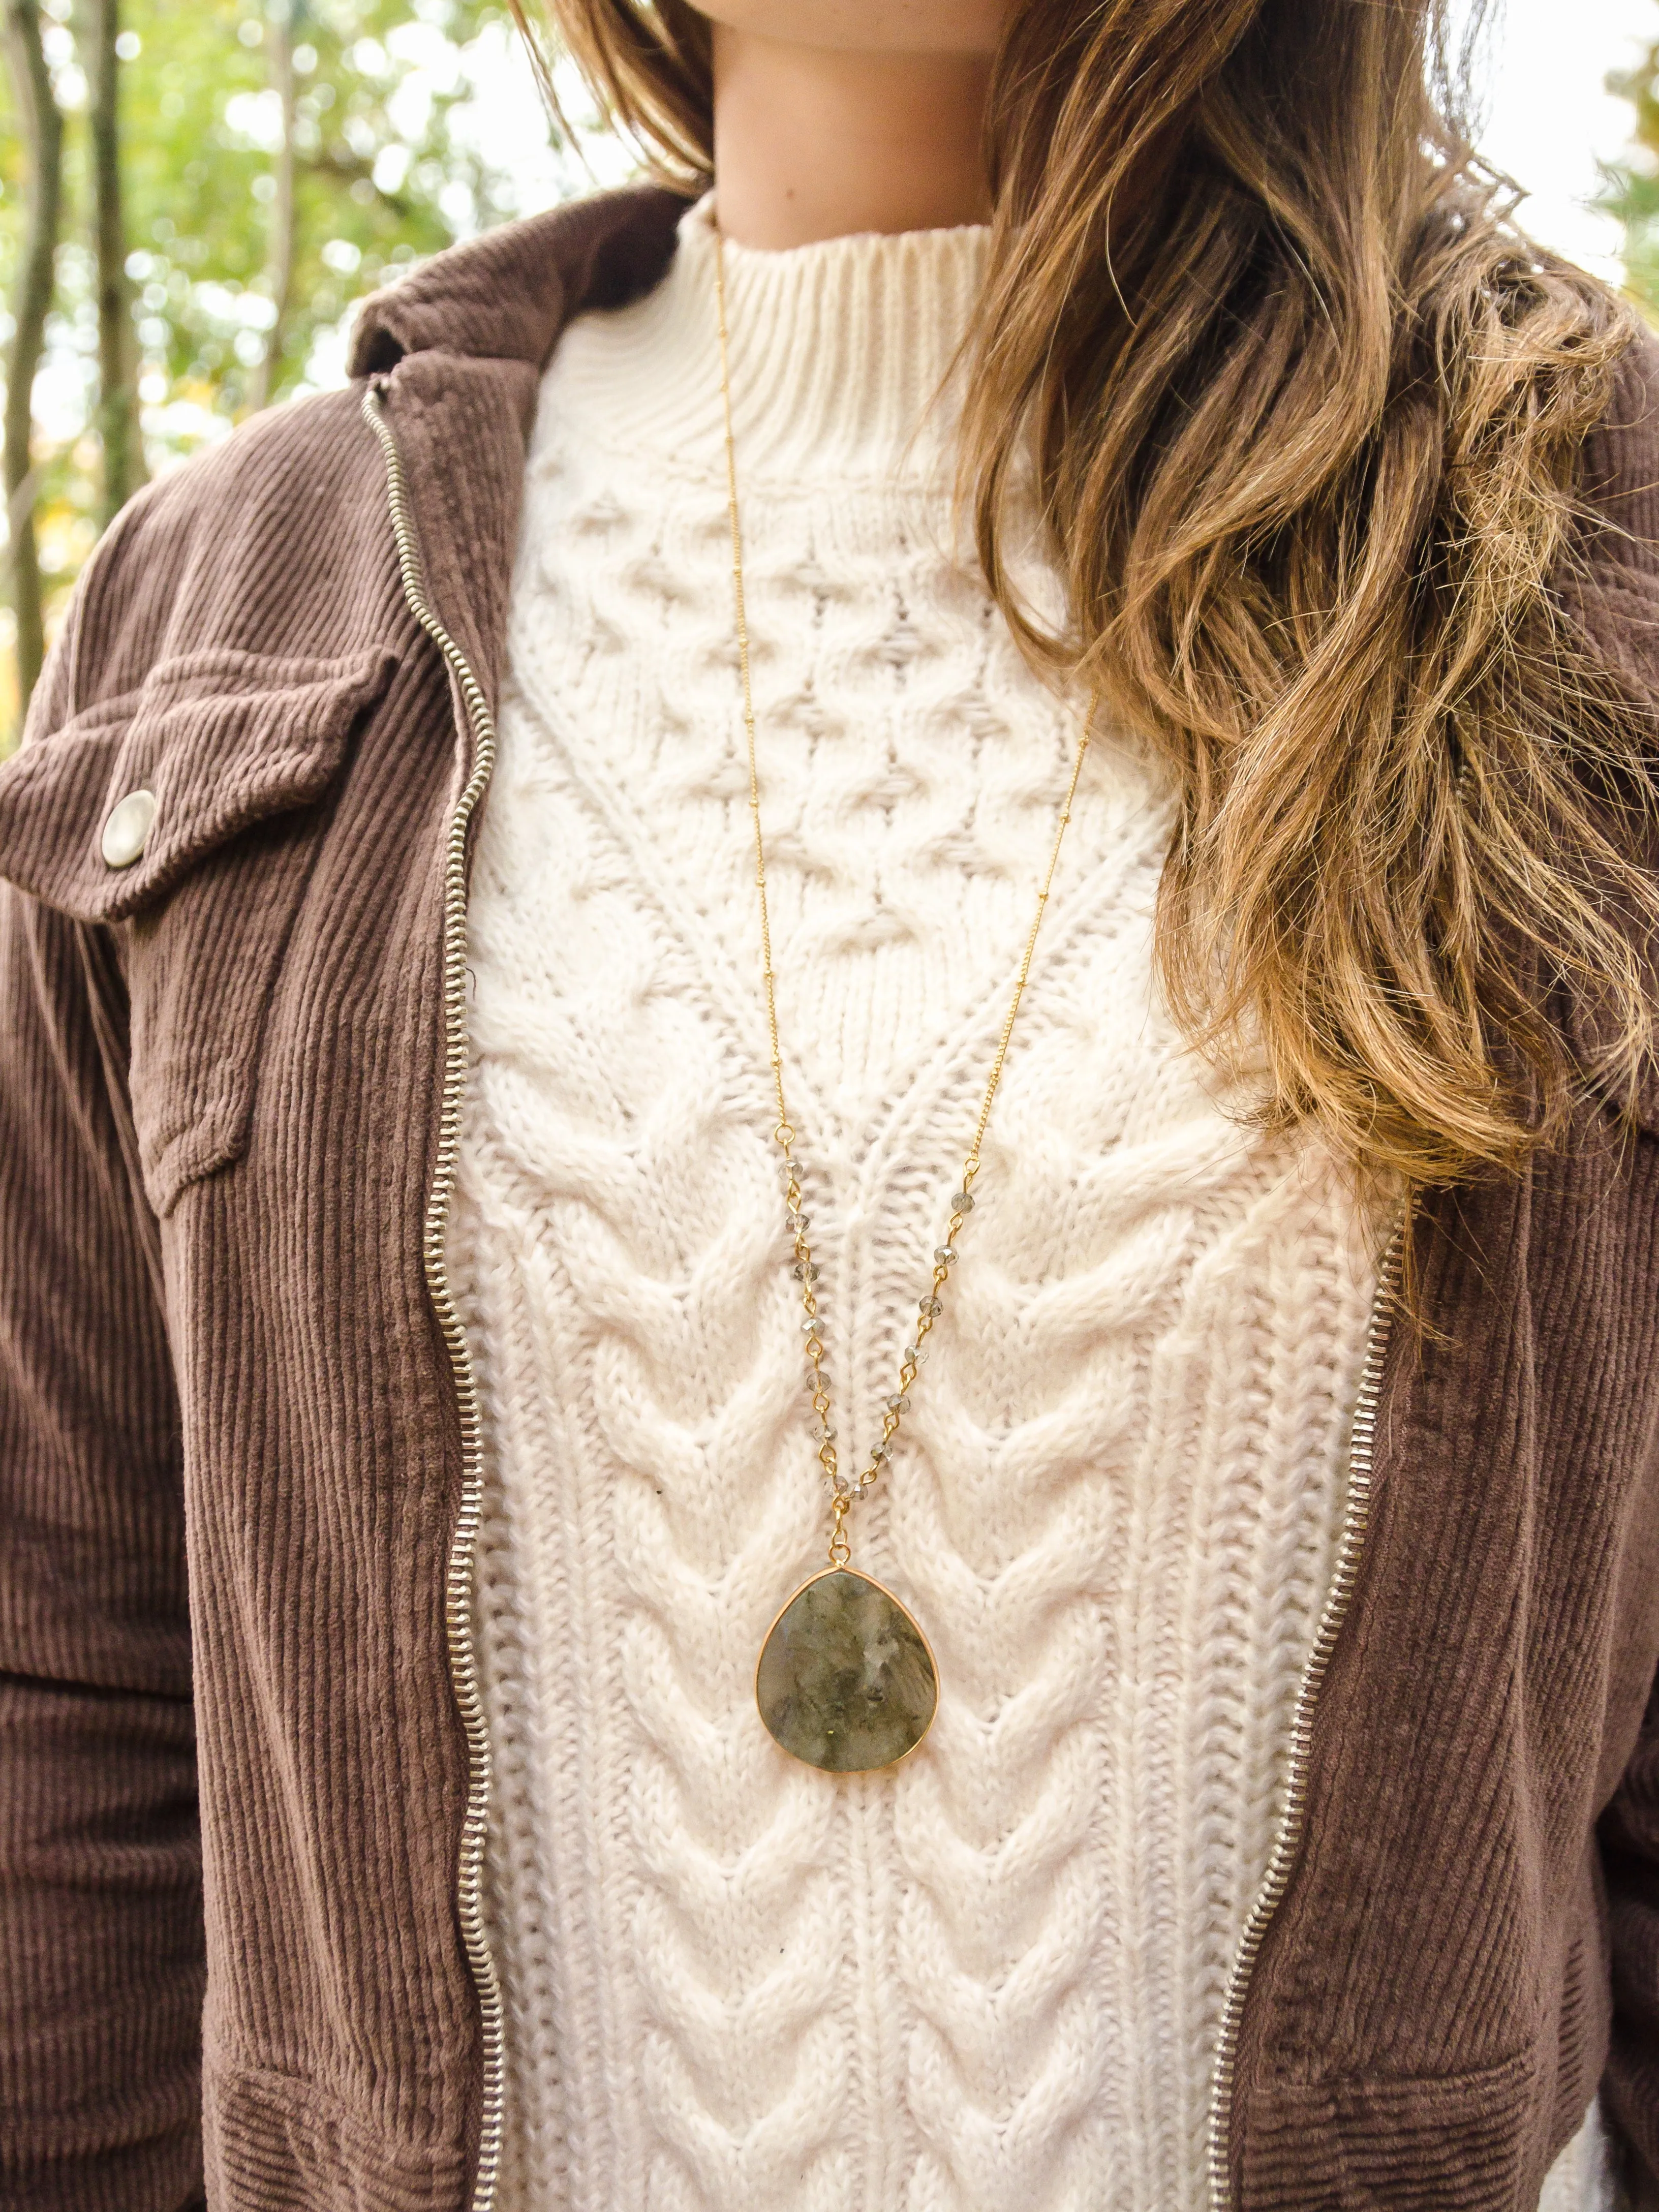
[{"x": 184, "y": 817}]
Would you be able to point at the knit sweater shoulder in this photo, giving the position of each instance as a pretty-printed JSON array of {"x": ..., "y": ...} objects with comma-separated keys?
[{"x": 997, "y": 1975}]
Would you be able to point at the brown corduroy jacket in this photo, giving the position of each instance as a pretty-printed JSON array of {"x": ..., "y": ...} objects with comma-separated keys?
[{"x": 240, "y": 1758}]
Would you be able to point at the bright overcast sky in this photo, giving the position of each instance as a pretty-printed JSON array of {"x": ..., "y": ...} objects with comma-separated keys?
[{"x": 1551, "y": 119}]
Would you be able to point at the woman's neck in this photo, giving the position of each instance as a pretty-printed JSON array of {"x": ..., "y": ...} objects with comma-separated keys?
[{"x": 818, "y": 141}]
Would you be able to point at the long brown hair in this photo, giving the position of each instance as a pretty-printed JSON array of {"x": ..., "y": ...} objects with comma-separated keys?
[{"x": 1305, "y": 410}]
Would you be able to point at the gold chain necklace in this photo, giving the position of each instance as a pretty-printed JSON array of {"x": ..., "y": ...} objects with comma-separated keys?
[{"x": 846, "y": 1680}]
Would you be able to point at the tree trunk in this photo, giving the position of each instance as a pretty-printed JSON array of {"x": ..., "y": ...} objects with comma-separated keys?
[
  {"x": 99, "y": 24},
  {"x": 41, "y": 125},
  {"x": 279, "y": 258}
]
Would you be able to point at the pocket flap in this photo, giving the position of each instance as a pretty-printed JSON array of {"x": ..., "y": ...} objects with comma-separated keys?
[{"x": 221, "y": 739}]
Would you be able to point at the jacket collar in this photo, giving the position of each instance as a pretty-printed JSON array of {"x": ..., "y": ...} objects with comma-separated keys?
[
  {"x": 507, "y": 296},
  {"x": 455, "y": 352}
]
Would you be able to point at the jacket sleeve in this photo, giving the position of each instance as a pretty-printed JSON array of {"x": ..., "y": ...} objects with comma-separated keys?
[
  {"x": 1630, "y": 1859},
  {"x": 1616, "y": 597},
  {"x": 101, "y": 1971}
]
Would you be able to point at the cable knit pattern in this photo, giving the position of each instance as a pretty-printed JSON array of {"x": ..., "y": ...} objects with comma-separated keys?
[{"x": 992, "y": 1977}]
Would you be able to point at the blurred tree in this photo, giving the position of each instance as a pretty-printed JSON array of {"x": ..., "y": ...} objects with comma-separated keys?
[
  {"x": 283, "y": 22},
  {"x": 1631, "y": 187},
  {"x": 98, "y": 38},
  {"x": 41, "y": 130},
  {"x": 235, "y": 173},
  {"x": 290, "y": 154}
]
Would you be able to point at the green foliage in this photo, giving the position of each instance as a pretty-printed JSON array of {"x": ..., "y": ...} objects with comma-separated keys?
[
  {"x": 391, "y": 164},
  {"x": 1631, "y": 187},
  {"x": 381, "y": 179}
]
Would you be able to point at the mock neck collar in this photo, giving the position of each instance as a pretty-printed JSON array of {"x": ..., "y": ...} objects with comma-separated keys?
[{"x": 841, "y": 351}]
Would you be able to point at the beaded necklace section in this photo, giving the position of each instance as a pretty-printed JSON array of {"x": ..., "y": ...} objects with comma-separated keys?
[{"x": 847, "y": 1680}]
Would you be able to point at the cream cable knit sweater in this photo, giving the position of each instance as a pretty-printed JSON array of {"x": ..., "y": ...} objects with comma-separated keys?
[{"x": 992, "y": 1978}]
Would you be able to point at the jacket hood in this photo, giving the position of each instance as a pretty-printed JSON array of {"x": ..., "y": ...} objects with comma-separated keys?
[{"x": 507, "y": 295}]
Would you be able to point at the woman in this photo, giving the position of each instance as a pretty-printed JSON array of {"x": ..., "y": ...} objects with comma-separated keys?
[{"x": 1149, "y": 1713}]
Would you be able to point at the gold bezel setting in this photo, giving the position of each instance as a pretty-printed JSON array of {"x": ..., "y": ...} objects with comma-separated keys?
[{"x": 887, "y": 1766}]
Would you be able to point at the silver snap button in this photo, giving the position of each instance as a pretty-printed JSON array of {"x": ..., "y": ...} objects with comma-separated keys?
[{"x": 126, "y": 827}]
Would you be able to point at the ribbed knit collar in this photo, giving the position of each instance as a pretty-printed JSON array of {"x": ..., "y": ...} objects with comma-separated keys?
[{"x": 838, "y": 350}]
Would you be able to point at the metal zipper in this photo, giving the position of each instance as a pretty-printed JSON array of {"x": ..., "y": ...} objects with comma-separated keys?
[
  {"x": 458, "y": 1580},
  {"x": 1356, "y": 1523}
]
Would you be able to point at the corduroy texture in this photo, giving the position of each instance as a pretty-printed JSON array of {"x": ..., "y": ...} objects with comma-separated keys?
[{"x": 227, "y": 1417}]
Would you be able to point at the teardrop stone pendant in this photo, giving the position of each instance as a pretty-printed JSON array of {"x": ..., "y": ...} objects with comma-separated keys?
[{"x": 846, "y": 1681}]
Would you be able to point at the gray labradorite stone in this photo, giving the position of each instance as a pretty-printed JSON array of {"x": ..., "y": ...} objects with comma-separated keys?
[{"x": 845, "y": 1682}]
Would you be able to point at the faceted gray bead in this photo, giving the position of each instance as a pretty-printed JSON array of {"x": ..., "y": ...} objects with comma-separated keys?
[{"x": 845, "y": 1682}]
